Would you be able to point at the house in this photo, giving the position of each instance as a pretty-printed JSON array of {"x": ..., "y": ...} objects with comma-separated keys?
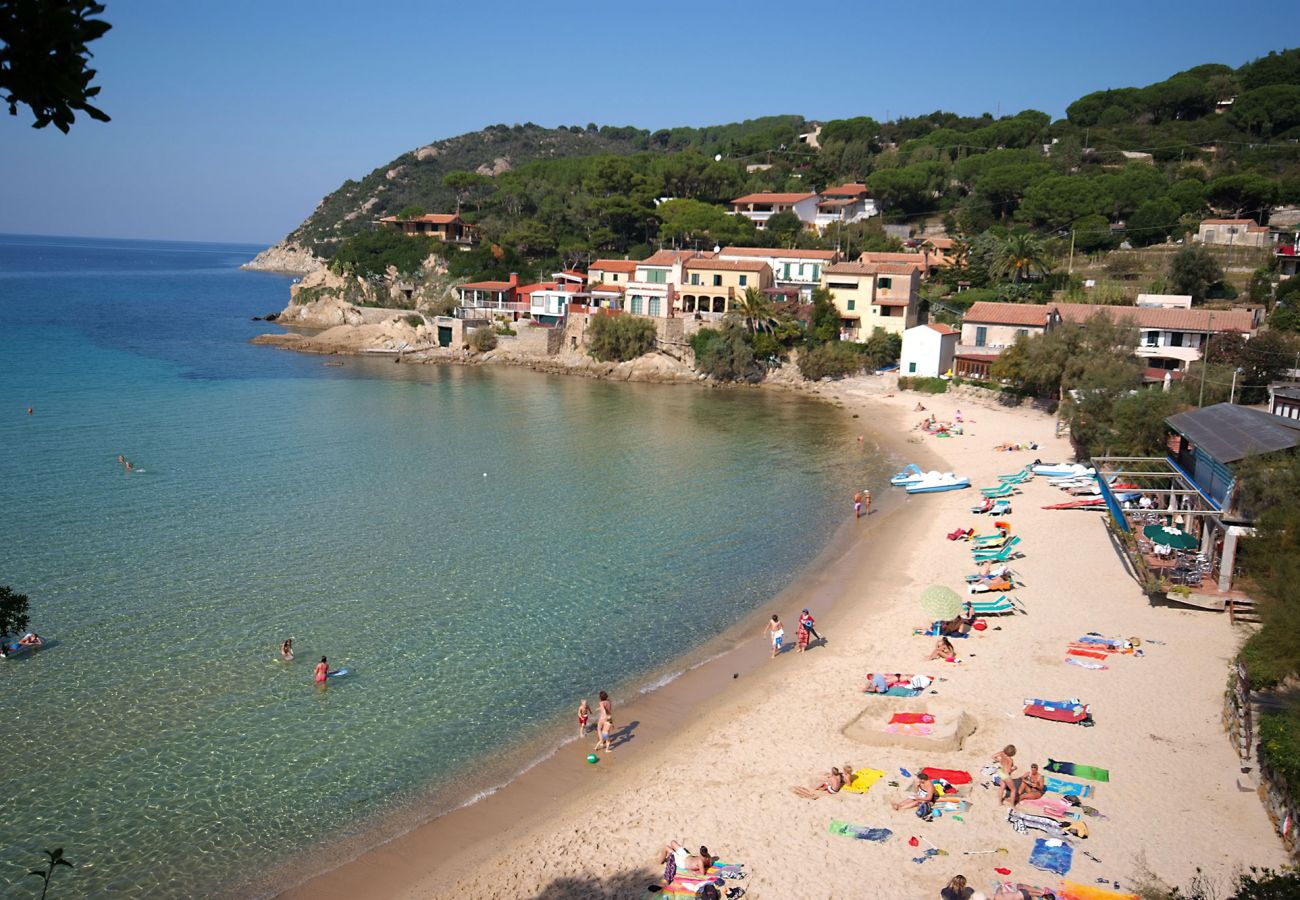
[
  {"x": 491, "y": 296},
  {"x": 1232, "y": 233},
  {"x": 1284, "y": 399},
  {"x": 1168, "y": 338},
  {"x": 988, "y": 328},
  {"x": 758, "y": 208},
  {"x": 797, "y": 270},
  {"x": 710, "y": 285},
  {"x": 1287, "y": 258},
  {"x": 1165, "y": 301},
  {"x": 611, "y": 271},
  {"x": 445, "y": 227},
  {"x": 926, "y": 263},
  {"x": 871, "y": 296},
  {"x": 928, "y": 350},
  {"x": 844, "y": 205},
  {"x": 652, "y": 288}
]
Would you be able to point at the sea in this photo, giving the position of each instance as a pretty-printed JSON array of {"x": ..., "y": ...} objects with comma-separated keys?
[{"x": 479, "y": 547}]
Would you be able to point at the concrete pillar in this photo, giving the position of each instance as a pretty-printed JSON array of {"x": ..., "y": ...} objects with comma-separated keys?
[{"x": 1228, "y": 560}]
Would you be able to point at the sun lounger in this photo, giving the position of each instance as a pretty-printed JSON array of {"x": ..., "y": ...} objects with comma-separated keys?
[
  {"x": 1000, "y": 606},
  {"x": 961, "y": 534},
  {"x": 1016, "y": 478},
  {"x": 1002, "y": 490},
  {"x": 1001, "y": 554},
  {"x": 997, "y": 584}
]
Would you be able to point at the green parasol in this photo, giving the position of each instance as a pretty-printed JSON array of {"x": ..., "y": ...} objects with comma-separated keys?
[
  {"x": 1170, "y": 537},
  {"x": 941, "y": 602}
]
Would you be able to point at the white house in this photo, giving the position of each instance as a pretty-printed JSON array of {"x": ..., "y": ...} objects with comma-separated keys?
[
  {"x": 845, "y": 204},
  {"x": 928, "y": 350},
  {"x": 792, "y": 270},
  {"x": 758, "y": 208}
]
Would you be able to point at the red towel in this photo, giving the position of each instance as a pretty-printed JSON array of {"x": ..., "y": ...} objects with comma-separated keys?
[
  {"x": 1092, "y": 654},
  {"x": 911, "y": 719},
  {"x": 952, "y": 776}
]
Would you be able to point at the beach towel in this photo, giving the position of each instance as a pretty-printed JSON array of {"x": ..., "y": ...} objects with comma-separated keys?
[
  {"x": 951, "y": 805},
  {"x": 1056, "y": 785},
  {"x": 1116, "y": 643},
  {"x": 907, "y": 728},
  {"x": 899, "y": 690},
  {"x": 1084, "y": 664},
  {"x": 1071, "y": 890},
  {"x": 1051, "y": 856},
  {"x": 859, "y": 832},
  {"x": 952, "y": 776},
  {"x": 911, "y": 719},
  {"x": 1092, "y": 773},
  {"x": 1078, "y": 715},
  {"x": 1055, "y": 704},
  {"x": 1022, "y": 822},
  {"x": 1049, "y": 806},
  {"x": 1091, "y": 654},
  {"x": 862, "y": 781}
]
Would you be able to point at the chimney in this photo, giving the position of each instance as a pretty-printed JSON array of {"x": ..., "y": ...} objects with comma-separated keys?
[{"x": 513, "y": 281}]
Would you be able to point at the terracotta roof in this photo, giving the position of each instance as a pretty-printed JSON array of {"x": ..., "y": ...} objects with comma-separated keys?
[
  {"x": 605, "y": 288},
  {"x": 870, "y": 268},
  {"x": 431, "y": 218},
  {"x": 940, "y": 243},
  {"x": 668, "y": 257},
  {"x": 777, "y": 253},
  {"x": 893, "y": 268},
  {"x": 1165, "y": 319},
  {"x": 836, "y": 202},
  {"x": 850, "y": 190},
  {"x": 772, "y": 198},
  {"x": 1227, "y": 221},
  {"x": 942, "y": 329},
  {"x": 1024, "y": 314},
  {"x": 536, "y": 286},
  {"x": 890, "y": 301},
  {"x": 914, "y": 259},
  {"x": 726, "y": 265},
  {"x": 488, "y": 285},
  {"x": 614, "y": 265}
]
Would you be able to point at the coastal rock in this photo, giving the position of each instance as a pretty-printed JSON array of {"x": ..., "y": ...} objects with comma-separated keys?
[
  {"x": 499, "y": 165},
  {"x": 286, "y": 256},
  {"x": 427, "y": 152}
]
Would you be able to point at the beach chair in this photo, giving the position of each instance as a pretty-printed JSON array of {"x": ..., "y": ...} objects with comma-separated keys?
[
  {"x": 1004, "y": 554},
  {"x": 1001, "y": 508},
  {"x": 997, "y": 539},
  {"x": 999, "y": 606},
  {"x": 1016, "y": 477},
  {"x": 1003, "y": 490}
]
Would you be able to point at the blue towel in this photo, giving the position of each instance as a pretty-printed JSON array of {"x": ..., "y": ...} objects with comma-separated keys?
[
  {"x": 1051, "y": 859},
  {"x": 1061, "y": 786}
]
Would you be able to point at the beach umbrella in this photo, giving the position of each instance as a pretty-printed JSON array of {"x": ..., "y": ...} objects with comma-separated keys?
[
  {"x": 1170, "y": 537},
  {"x": 941, "y": 602}
]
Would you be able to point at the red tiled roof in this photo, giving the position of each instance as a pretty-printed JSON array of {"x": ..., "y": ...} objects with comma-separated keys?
[
  {"x": 668, "y": 257},
  {"x": 1152, "y": 317},
  {"x": 847, "y": 190},
  {"x": 872, "y": 256},
  {"x": 605, "y": 288},
  {"x": 870, "y": 268},
  {"x": 777, "y": 253},
  {"x": 431, "y": 218},
  {"x": 726, "y": 265},
  {"x": 772, "y": 198},
  {"x": 1227, "y": 221},
  {"x": 1025, "y": 314},
  {"x": 487, "y": 285},
  {"x": 627, "y": 266},
  {"x": 942, "y": 329}
]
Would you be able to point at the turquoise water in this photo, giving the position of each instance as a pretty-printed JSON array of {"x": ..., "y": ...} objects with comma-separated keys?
[{"x": 479, "y": 547}]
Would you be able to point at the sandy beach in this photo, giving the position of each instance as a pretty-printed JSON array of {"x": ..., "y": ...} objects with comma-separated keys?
[{"x": 715, "y": 753}]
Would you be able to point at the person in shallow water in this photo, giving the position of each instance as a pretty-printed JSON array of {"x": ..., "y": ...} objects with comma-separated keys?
[
  {"x": 322, "y": 670},
  {"x": 286, "y": 650}
]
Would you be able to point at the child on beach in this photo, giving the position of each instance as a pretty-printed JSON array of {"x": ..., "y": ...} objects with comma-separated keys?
[
  {"x": 777, "y": 632},
  {"x": 866, "y": 501},
  {"x": 857, "y": 505},
  {"x": 584, "y": 713},
  {"x": 1005, "y": 760},
  {"x": 801, "y": 637}
]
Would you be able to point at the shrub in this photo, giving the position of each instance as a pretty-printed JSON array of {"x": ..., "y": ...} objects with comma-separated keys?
[
  {"x": 724, "y": 354},
  {"x": 504, "y": 329},
  {"x": 372, "y": 252},
  {"x": 445, "y": 306},
  {"x": 831, "y": 360},
  {"x": 414, "y": 320},
  {"x": 922, "y": 384},
  {"x": 620, "y": 338},
  {"x": 483, "y": 338}
]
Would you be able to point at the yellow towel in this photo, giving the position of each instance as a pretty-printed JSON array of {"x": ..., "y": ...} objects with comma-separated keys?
[
  {"x": 1073, "y": 891},
  {"x": 863, "y": 779}
]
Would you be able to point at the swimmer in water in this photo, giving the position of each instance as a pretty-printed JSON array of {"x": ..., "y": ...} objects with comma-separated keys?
[
  {"x": 286, "y": 650},
  {"x": 322, "y": 670}
]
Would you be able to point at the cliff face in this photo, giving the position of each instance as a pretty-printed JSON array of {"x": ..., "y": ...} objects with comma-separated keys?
[{"x": 286, "y": 256}]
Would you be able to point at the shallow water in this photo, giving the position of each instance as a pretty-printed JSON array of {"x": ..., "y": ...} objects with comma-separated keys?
[{"x": 479, "y": 547}]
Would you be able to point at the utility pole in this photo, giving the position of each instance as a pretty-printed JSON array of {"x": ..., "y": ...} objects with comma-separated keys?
[
  {"x": 1232, "y": 397},
  {"x": 1070, "y": 270},
  {"x": 1205, "y": 358}
]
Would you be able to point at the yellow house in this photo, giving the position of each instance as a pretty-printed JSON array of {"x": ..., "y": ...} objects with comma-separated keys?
[
  {"x": 874, "y": 295},
  {"x": 712, "y": 285},
  {"x": 611, "y": 271}
]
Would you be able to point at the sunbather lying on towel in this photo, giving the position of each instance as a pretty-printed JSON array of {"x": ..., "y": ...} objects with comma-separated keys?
[
  {"x": 1016, "y": 891},
  {"x": 831, "y": 783},
  {"x": 1029, "y": 786},
  {"x": 687, "y": 861}
]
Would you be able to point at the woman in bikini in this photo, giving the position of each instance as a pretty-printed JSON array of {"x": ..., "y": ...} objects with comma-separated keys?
[
  {"x": 322, "y": 670},
  {"x": 943, "y": 650},
  {"x": 922, "y": 793},
  {"x": 832, "y": 783},
  {"x": 1029, "y": 786}
]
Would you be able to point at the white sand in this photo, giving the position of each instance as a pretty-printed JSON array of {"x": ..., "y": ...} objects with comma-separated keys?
[{"x": 1173, "y": 802}]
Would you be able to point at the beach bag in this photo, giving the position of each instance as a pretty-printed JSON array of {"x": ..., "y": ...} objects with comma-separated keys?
[
  {"x": 924, "y": 811},
  {"x": 921, "y": 682},
  {"x": 979, "y": 625}
]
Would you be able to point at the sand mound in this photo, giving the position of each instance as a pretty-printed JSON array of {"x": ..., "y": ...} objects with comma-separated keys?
[{"x": 951, "y": 725}]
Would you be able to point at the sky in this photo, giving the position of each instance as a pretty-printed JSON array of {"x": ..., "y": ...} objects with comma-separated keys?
[{"x": 231, "y": 120}]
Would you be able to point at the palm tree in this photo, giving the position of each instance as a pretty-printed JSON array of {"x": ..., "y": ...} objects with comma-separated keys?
[
  {"x": 756, "y": 308},
  {"x": 55, "y": 860},
  {"x": 1019, "y": 255}
]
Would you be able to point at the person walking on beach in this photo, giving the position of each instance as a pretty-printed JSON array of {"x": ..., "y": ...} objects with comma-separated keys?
[
  {"x": 584, "y": 713},
  {"x": 857, "y": 505},
  {"x": 322, "y": 670},
  {"x": 806, "y": 621},
  {"x": 605, "y": 723},
  {"x": 776, "y": 630},
  {"x": 866, "y": 501}
]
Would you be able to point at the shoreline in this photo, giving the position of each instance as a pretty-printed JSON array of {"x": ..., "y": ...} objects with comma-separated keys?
[{"x": 398, "y": 843}]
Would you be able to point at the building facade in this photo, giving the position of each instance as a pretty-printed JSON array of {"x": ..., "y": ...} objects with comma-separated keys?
[{"x": 928, "y": 350}]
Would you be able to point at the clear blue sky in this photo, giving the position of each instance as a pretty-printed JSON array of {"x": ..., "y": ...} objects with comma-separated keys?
[{"x": 232, "y": 119}]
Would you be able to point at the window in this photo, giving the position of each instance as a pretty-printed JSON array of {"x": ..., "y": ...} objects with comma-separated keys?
[
  {"x": 885, "y": 283},
  {"x": 636, "y": 305},
  {"x": 744, "y": 279},
  {"x": 717, "y": 281},
  {"x": 655, "y": 276},
  {"x": 1150, "y": 339},
  {"x": 695, "y": 278},
  {"x": 852, "y": 304},
  {"x": 981, "y": 336},
  {"x": 816, "y": 272},
  {"x": 911, "y": 368},
  {"x": 1175, "y": 339},
  {"x": 654, "y": 306},
  {"x": 1022, "y": 332}
]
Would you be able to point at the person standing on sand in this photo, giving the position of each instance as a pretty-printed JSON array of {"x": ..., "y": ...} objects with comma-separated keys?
[
  {"x": 776, "y": 630},
  {"x": 605, "y": 723},
  {"x": 806, "y": 621},
  {"x": 857, "y": 505},
  {"x": 866, "y": 501},
  {"x": 584, "y": 713}
]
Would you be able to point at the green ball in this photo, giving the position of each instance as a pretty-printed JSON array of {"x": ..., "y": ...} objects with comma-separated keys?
[{"x": 593, "y": 758}]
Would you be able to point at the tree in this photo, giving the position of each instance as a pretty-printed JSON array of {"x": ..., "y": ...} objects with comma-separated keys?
[
  {"x": 43, "y": 58},
  {"x": 464, "y": 184},
  {"x": 755, "y": 308},
  {"x": 1152, "y": 223},
  {"x": 1057, "y": 201},
  {"x": 1019, "y": 256},
  {"x": 55, "y": 859},
  {"x": 786, "y": 227},
  {"x": 13, "y": 611},
  {"x": 690, "y": 221},
  {"x": 724, "y": 354},
  {"x": 1193, "y": 270},
  {"x": 1092, "y": 233},
  {"x": 620, "y": 338},
  {"x": 826, "y": 318},
  {"x": 1267, "y": 111},
  {"x": 1238, "y": 194},
  {"x": 483, "y": 338}
]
